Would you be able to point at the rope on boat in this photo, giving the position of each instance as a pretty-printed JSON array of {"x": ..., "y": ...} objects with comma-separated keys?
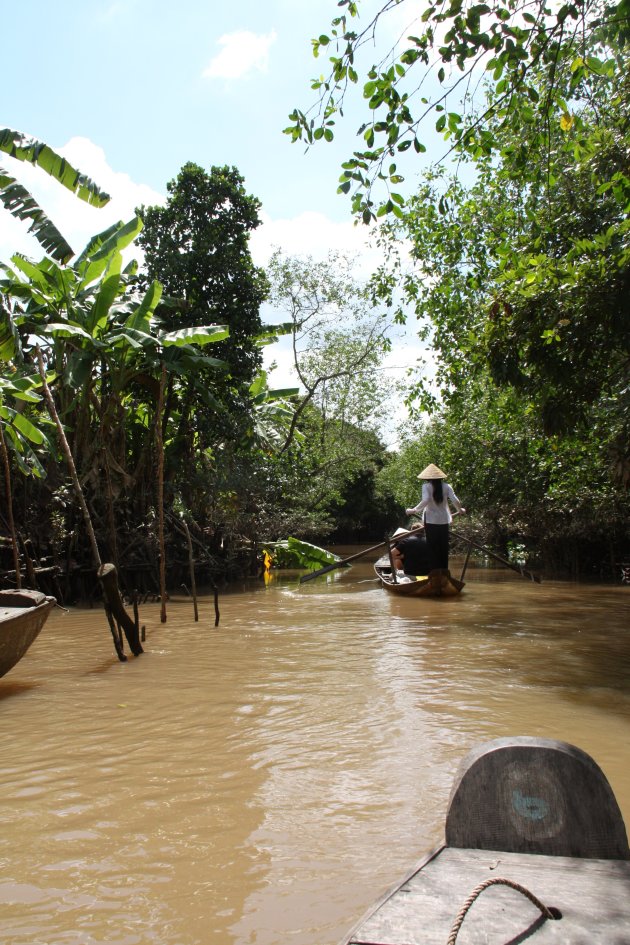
[{"x": 495, "y": 881}]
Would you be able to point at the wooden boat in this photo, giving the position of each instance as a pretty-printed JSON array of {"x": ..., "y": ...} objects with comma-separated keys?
[
  {"x": 535, "y": 851},
  {"x": 438, "y": 583},
  {"x": 23, "y": 613}
]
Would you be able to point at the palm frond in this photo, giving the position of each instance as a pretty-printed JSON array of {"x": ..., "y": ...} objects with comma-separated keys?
[
  {"x": 24, "y": 148},
  {"x": 21, "y": 204}
]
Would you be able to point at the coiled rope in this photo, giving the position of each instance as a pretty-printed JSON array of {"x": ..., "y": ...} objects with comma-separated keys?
[{"x": 497, "y": 881}]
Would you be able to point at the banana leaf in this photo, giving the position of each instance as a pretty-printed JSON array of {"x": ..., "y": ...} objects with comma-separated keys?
[{"x": 293, "y": 553}]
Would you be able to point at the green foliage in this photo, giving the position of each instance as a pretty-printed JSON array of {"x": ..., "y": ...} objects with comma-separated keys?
[
  {"x": 552, "y": 495},
  {"x": 101, "y": 340},
  {"x": 520, "y": 281},
  {"x": 272, "y": 413},
  {"x": 528, "y": 276},
  {"x": 536, "y": 59},
  {"x": 22, "y": 426},
  {"x": 196, "y": 246},
  {"x": 339, "y": 340}
]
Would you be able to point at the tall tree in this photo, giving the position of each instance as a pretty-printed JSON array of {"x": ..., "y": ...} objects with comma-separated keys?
[
  {"x": 196, "y": 246},
  {"x": 339, "y": 340},
  {"x": 338, "y": 337}
]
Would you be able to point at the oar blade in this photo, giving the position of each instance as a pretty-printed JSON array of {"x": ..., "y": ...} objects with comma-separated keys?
[{"x": 314, "y": 574}]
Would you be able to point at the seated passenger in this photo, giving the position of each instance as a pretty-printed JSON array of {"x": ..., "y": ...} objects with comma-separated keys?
[{"x": 410, "y": 553}]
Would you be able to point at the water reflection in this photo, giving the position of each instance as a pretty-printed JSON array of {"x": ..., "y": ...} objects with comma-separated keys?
[{"x": 265, "y": 780}]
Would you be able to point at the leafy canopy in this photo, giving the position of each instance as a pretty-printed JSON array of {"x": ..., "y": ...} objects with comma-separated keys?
[
  {"x": 433, "y": 75},
  {"x": 529, "y": 277}
]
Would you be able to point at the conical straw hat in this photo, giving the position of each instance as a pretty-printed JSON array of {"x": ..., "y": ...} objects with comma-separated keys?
[{"x": 432, "y": 472}]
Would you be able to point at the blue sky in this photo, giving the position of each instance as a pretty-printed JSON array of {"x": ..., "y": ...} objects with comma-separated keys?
[
  {"x": 130, "y": 90},
  {"x": 156, "y": 84}
]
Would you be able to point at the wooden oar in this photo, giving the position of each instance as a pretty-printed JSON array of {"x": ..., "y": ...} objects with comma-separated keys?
[
  {"x": 360, "y": 554},
  {"x": 515, "y": 567}
]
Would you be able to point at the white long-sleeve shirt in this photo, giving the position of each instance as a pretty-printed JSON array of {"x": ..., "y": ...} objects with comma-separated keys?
[{"x": 433, "y": 512}]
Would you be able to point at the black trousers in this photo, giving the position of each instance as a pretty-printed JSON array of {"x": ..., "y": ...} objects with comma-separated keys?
[{"x": 437, "y": 545}]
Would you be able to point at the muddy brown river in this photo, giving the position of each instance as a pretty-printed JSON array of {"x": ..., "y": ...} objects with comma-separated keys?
[{"x": 264, "y": 781}]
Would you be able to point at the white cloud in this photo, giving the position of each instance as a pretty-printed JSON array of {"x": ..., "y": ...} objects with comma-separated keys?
[
  {"x": 243, "y": 52},
  {"x": 314, "y": 234}
]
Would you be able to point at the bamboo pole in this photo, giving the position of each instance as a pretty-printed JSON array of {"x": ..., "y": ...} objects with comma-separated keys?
[
  {"x": 508, "y": 564},
  {"x": 9, "y": 497},
  {"x": 191, "y": 566}
]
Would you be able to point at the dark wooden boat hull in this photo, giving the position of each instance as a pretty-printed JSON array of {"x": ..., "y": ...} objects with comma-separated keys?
[
  {"x": 527, "y": 818},
  {"x": 438, "y": 583},
  {"x": 22, "y": 616}
]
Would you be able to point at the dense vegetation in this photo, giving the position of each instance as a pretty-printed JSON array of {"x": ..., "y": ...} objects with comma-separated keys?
[
  {"x": 512, "y": 254},
  {"x": 173, "y": 435},
  {"x": 515, "y": 263}
]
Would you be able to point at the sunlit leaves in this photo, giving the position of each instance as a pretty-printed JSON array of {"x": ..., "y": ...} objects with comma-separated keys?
[
  {"x": 525, "y": 273},
  {"x": 508, "y": 42},
  {"x": 21, "y": 204},
  {"x": 140, "y": 318},
  {"x": 199, "y": 335},
  {"x": 96, "y": 327},
  {"x": 22, "y": 432},
  {"x": 294, "y": 553},
  {"x": 10, "y": 344}
]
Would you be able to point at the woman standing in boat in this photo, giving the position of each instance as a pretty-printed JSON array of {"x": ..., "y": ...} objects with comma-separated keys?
[{"x": 436, "y": 514}]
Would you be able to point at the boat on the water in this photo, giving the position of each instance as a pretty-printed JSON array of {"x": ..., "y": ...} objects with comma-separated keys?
[
  {"x": 23, "y": 613},
  {"x": 437, "y": 583},
  {"x": 535, "y": 851}
]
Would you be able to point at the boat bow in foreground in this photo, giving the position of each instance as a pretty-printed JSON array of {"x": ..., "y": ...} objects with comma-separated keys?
[{"x": 536, "y": 851}]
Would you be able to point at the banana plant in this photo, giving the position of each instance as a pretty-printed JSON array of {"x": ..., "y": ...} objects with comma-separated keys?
[
  {"x": 272, "y": 412},
  {"x": 27, "y": 437},
  {"x": 103, "y": 345},
  {"x": 100, "y": 352},
  {"x": 20, "y": 202}
]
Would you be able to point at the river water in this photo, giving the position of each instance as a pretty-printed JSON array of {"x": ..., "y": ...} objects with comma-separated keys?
[{"x": 264, "y": 781}]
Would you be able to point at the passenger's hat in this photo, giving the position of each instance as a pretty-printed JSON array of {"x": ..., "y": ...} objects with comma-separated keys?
[{"x": 432, "y": 472}]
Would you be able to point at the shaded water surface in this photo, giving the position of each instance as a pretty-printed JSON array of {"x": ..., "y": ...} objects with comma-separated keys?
[{"x": 264, "y": 781}]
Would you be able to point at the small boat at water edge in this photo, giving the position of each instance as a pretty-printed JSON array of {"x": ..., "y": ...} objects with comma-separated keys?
[
  {"x": 438, "y": 583},
  {"x": 535, "y": 851},
  {"x": 23, "y": 613}
]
